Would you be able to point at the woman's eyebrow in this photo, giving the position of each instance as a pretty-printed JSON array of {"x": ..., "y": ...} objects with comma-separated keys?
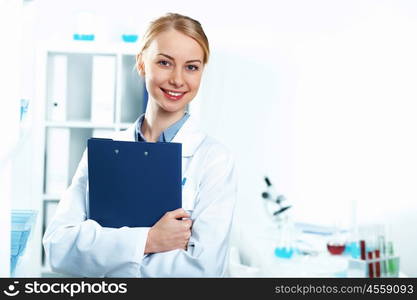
[{"x": 188, "y": 61}]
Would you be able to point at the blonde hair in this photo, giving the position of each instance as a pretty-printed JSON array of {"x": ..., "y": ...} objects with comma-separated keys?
[{"x": 183, "y": 24}]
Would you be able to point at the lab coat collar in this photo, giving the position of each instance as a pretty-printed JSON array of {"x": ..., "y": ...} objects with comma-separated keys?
[{"x": 189, "y": 135}]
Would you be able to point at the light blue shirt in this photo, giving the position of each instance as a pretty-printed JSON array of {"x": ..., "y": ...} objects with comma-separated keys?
[{"x": 167, "y": 135}]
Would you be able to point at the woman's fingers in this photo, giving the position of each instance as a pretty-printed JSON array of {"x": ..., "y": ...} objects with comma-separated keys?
[{"x": 178, "y": 214}]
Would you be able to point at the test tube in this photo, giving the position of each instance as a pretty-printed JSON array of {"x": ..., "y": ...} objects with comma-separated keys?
[
  {"x": 363, "y": 249},
  {"x": 370, "y": 265},
  {"x": 377, "y": 264},
  {"x": 392, "y": 268},
  {"x": 383, "y": 253}
]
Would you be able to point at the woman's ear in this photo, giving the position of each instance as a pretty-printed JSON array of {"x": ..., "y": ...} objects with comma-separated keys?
[{"x": 140, "y": 65}]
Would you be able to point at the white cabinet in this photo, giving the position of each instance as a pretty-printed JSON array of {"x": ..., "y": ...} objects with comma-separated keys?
[{"x": 86, "y": 90}]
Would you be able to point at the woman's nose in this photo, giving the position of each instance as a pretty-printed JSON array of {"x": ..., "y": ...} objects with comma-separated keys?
[{"x": 177, "y": 79}]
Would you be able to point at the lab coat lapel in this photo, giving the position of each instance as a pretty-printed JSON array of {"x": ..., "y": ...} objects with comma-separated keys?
[
  {"x": 127, "y": 135},
  {"x": 190, "y": 136}
]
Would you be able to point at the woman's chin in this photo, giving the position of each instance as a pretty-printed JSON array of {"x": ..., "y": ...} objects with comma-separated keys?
[{"x": 172, "y": 108}]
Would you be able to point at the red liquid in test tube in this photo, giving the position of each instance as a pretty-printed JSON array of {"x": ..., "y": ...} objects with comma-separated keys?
[
  {"x": 370, "y": 265},
  {"x": 362, "y": 245},
  {"x": 377, "y": 265}
]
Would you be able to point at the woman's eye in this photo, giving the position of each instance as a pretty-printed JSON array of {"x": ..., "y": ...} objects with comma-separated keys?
[
  {"x": 192, "y": 68},
  {"x": 164, "y": 63}
]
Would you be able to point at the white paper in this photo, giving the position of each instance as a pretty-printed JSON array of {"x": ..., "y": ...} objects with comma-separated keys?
[
  {"x": 57, "y": 158},
  {"x": 103, "y": 89}
]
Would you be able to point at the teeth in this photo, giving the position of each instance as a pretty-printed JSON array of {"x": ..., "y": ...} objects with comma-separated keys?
[{"x": 174, "y": 94}]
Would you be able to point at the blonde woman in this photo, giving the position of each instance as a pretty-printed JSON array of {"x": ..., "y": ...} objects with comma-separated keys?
[{"x": 189, "y": 242}]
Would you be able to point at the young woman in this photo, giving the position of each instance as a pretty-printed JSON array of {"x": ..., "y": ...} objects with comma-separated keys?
[{"x": 190, "y": 241}]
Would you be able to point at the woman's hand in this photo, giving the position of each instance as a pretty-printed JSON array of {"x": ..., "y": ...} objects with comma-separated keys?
[{"x": 169, "y": 233}]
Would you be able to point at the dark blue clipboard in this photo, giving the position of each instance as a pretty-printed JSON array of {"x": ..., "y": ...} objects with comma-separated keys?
[{"x": 132, "y": 183}]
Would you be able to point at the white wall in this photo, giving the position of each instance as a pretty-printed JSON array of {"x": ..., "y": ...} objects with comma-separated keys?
[{"x": 319, "y": 95}]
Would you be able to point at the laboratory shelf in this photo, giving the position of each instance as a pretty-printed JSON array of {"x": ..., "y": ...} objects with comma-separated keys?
[{"x": 87, "y": 89}]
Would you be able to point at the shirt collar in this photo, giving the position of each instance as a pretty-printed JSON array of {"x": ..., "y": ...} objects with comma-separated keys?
[{"x": 167, "y": 135}]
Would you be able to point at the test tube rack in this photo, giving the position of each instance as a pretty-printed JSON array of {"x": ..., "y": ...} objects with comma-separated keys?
[{"x": 387, "y": 266}]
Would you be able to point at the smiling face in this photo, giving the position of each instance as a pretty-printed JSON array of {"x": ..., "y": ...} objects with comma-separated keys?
[{"x": 172, "y": 66}]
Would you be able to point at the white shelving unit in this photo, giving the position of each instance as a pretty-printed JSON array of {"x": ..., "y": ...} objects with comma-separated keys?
[{"x": 76, "y": 80}]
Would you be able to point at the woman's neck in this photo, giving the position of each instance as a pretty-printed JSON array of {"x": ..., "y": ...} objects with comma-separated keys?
[{"x": 157, "y": 120}]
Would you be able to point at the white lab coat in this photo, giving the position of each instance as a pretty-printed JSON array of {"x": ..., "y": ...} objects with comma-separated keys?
[{"x": 79, "y": 246}]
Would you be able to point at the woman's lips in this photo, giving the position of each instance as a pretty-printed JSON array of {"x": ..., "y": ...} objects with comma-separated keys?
[{"x": 173, "y": 95}]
